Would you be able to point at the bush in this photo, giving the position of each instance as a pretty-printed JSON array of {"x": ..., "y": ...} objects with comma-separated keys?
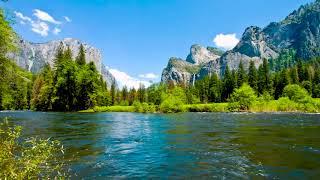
[
  {"x": 286, "y": 105},
  {"x": 242, "y": 98},
  {"x": 296, "y": 93},
  {"x": 29, "y": 158},
  {"x": 172, "y": 105}
]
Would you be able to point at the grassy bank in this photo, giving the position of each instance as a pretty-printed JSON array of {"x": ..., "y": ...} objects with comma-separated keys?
[{"x": 281, "y": 105}]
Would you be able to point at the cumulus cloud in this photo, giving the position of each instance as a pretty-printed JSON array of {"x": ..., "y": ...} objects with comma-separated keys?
[
  {"x": 67, "y": 19},
  {"x": 56, "y": 31},
  {"x": 149, "y": 76},
  {"x": 44, "y": 16},
  {"x": 226, "y": 41},
  {"x": 123, "y": 79},
  {"x": 41, "y": 28}
]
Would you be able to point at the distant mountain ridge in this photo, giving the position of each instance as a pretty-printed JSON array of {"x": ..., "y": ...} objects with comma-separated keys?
[
  {"x": 33, "y": 56},
  {"x": 299, "y": 31}
]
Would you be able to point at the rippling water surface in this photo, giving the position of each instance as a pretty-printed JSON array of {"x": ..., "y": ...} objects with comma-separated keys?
[{"x": 196, "y": 145}]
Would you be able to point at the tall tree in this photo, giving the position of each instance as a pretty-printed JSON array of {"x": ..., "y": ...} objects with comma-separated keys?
[
  {"x": 241, "y": 75},
  {"x": 253, "y": 76},
  {"x": 113, "y": 92},
  {"x": 228, "y": 84},
  {"x": 81, "y": 58}
]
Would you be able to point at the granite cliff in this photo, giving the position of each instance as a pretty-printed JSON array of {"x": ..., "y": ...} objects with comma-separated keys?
[{"x": 33, "y": 56}]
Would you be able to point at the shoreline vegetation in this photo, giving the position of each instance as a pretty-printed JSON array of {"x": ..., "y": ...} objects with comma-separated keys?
[{"x": 295, "y": 99}]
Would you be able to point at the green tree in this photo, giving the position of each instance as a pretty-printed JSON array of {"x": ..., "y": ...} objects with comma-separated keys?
[
  {"x": 295, "y": 93},
  {"x": 244, "y": 97},
  {"x": 241, "y": 75},
  {"x": 253, "y": 76},
  {"x": 281, "y": 81},
  {"x": 141, "y": 93},
  {"x": 228, "y": 83},
  {"x": 264, "y": 82},
  {"x": 113, "y": 92},
  {"x": 81, "y": 58}
]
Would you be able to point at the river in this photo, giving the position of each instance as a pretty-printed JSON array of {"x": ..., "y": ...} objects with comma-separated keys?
[{"x": 186, "y": 145}]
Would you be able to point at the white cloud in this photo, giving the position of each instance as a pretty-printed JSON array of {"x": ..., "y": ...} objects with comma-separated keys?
[
  {"x": 149, "y": 76},
  {"x": 44, "y": 16},
  {"x": 41, "y": 28},
  {"x": 226, "y": 41},
  {"x": 67, "y": 19},
  {"x": 56, "y": 31},
  {"x": 40, "y": 25},
  {"x": 22, "y": 17},
  {"x": 123, "y": 79}
]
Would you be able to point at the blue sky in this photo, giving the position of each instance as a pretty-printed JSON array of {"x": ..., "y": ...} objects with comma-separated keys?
[{"x": 138, "y": 36}]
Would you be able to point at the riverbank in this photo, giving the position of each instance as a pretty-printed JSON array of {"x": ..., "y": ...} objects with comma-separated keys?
[{"x": 281, "y": 105}]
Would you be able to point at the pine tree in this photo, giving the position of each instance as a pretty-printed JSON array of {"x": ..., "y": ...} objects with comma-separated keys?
[
  {"x": 67, "y": 54},
  {"x": 215, "y": 88},
  {"x": 141, "y": 93},
  {"x": 253, "y": 76},
  {"x": 264, "y": 82},
  {"x": 294, "y": 77},
  {"x": 59, "y": 56},
  {"x": 241, "y": 75},
  {"x": 228, "y": 83},
  {"x": 81, "y": 58},
  {"x": 113, "y": 92},
  {"x": 124, "y": 95},
  {"x": 282, "y": 79}
]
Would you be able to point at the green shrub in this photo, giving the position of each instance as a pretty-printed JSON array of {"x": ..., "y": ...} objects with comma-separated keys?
[
  {"x": 296, "y": 93},
  {"x": 242, "y": 98},
  {"x": 286, "y": 105},
  {"x": 172, "y": 105},
  {"x": 31, "y": 158}
]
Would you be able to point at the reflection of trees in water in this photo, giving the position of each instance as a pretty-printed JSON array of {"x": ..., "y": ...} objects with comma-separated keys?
[
  {"x": 79, "y": 133},
  {"x": 281, "y": 148}
]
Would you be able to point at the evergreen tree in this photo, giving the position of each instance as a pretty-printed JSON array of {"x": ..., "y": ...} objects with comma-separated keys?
[
  {"x": 113, "y": 93},
  {"x": 228, "y": 84},
  {"x": 294, "y": 77},
  {"x": 264, "y": 82},
  {"x": 125, "y": 94},
  {"x": 141, "y": 93},
  {"x": 281, "y": 81},
  {"x": 253, "y": 76},
  {"x": 241, "y": 75},
  {"x": 132, "y": 96},
  {"x": 81, "y": 58},
  {"x": 215, "y": 88},
  {"x": 67, "y": 55}
]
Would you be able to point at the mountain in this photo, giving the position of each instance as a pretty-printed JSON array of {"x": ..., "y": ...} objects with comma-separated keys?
[
  {"x": 299, "y": 31},
  {"x": 184, "y": 71},
  {"x": 33, "y": 56}
]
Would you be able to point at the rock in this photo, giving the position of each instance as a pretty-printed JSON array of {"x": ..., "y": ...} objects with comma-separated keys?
[
  {"x": 33, "y": 56},
  {"x": 201, "y": 55},
  {"x": 181, "y": 71}
]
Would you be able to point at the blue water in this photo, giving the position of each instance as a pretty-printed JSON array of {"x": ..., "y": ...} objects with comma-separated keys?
[{"x": 188, "y": 145}]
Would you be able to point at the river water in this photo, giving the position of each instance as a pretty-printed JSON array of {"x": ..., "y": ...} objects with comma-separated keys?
[{"x": 187, "y": 145}]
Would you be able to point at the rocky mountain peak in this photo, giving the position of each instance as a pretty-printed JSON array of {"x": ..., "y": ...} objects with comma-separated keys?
[{"x": 201, "y": 55}]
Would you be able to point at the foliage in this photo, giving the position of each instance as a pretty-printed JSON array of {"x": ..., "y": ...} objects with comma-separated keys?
[
  {"x": 296, "y": 93},
  {"x": 244, "y": 97},
  {"x": 31, "y": 158},
  {"x": 7, "y": 36},
  {"x": 71, "y": 86}
]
